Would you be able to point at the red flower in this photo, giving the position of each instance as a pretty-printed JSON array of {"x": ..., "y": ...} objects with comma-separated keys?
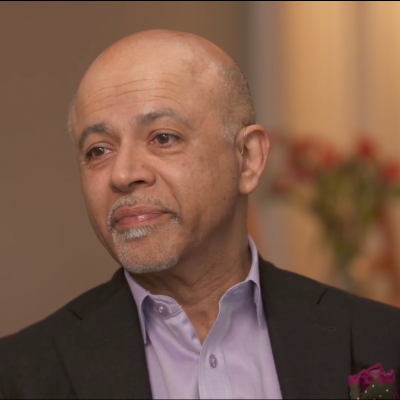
[
  {"x": 331, "y": 158},
  {"x": 305, "y": 159},
  {"x": 367, "y": 149},
  {"x": 391, "y": 173},
  {"x": 283, "y": 184},
  {"x": 281, "y": 187}
]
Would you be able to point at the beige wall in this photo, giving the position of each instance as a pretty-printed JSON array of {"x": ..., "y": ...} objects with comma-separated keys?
[
  {"x": 327, "y": 69},
  {"x": 48, "y": 253}
]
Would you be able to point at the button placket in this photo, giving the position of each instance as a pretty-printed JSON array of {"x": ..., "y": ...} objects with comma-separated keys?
[
  {"x": 213, "y": 379},
  {"x": 213, "y": 361}
]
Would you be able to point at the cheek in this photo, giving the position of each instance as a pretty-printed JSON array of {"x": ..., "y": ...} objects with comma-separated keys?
[
  {"x": 95, "y": 187},
  {"x": 217, "y": 171},
  {"x": 204, "y": 185}
]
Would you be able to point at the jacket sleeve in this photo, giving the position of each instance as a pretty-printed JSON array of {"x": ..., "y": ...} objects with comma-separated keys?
[{"x": 2, "y": 397}]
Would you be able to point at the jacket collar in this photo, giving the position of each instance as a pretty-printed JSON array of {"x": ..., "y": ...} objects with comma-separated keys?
[
  {"x": 311, "y": 343},
  {"x": 104, "y": 354}
]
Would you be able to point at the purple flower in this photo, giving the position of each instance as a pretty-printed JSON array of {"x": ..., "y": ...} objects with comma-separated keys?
[{"x": 373, "y": 383}]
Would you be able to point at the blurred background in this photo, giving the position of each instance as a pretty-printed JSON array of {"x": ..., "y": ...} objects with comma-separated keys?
[{"x": 324, "y": 76}]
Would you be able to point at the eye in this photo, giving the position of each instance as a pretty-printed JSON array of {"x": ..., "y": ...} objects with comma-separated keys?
[
  {"x": 96, "y": 152},
  {"x": 165, "y": 139}
]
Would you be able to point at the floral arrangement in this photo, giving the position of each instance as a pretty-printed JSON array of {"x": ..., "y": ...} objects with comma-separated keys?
[{"x": 347, "y": 192}]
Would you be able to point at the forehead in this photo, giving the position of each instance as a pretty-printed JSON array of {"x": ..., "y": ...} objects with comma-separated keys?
[{"x": 141, "y": 85}]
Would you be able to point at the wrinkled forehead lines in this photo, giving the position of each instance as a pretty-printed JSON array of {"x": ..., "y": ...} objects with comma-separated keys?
[
  {"x": 186, "y": 91},
  {"x": 129, "y": 91}
]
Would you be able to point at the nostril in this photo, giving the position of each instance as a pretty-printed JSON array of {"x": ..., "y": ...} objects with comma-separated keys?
[{"x": 139, "y": 181}]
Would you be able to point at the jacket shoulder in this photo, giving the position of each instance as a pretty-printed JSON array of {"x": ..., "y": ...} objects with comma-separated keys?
[
  {"x": 328, "y": 296},
  {"x": 32, "y": 352},
  {"x": 375, "y": 327},
  {"x": 67, "y": 315}
]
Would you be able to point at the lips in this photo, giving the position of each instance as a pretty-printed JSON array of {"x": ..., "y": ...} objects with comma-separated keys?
[{"x": 137, "y": 215}]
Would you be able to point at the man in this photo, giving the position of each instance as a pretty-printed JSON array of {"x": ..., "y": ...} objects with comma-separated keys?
[{"x": 169, "y": 150}]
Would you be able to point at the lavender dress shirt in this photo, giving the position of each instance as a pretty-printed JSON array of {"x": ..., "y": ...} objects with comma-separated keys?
[{"x": 234, "y": 362}]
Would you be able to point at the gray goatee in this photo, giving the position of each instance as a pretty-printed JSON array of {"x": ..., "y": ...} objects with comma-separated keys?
[{"x": 160, "y": 258}]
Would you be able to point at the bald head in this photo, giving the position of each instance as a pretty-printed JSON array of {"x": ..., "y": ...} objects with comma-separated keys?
[
  {"x": 161, "y": 184},
  {"x": 193, "y": 60}
]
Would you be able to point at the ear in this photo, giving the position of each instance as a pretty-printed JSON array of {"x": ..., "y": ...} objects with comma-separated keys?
[{"x": 255, "y": 145}]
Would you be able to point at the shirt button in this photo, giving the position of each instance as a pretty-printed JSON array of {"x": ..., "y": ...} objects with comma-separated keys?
[
  {"x": 162, "y": 310},
  {"x": 213, "y": 361}
]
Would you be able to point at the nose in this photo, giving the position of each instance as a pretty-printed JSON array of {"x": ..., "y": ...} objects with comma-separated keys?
[{"x": 131, "y": 169}]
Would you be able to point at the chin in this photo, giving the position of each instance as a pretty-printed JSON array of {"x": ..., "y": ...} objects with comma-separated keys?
[
  {"x": 149, "y": 268},
  {"x": 146, "y": 250}
]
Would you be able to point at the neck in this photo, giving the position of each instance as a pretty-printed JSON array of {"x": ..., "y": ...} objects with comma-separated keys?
[{"x": 198, "y": 283}]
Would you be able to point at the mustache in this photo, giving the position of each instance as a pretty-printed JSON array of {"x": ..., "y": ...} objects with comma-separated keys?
[{"x": 133, "y": 201}]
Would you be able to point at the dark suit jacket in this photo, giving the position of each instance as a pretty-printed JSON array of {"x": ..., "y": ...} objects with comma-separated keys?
[{"x": 93, "y": 347}]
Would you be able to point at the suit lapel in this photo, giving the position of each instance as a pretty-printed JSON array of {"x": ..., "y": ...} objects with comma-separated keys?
[
  {"x": 311, "y": 344},
  {"x": 104, "y": 355}
]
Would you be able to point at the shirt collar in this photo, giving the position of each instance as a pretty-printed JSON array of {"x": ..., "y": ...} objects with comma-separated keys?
[
  {"x": 140, "y": 294},
  {"x": 254, "y": 276}
]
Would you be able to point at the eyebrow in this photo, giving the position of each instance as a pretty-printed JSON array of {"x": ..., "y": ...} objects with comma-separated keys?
[
  {"x": 141, "y": 120},
  {"x": 90, "y": 130}
]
